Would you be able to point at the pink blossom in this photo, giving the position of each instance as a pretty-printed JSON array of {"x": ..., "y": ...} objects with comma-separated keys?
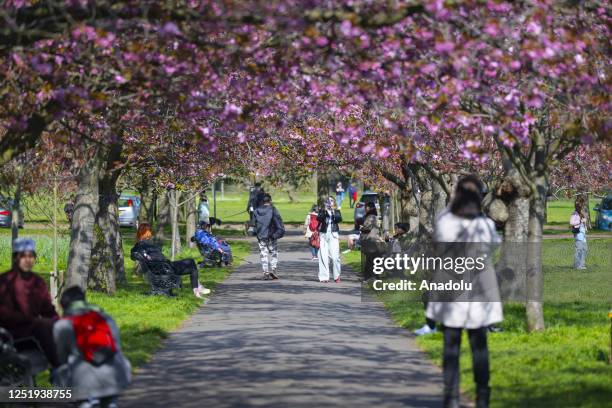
[{"x": 444, "y": 47}]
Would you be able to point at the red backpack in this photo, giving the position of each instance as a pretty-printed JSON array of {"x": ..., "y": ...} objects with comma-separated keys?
[
  {"x": 93, "y": 337},
  {"x": 313, "y": 223}
]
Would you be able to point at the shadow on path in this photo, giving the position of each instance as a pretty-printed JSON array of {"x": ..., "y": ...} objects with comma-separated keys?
[{"x": 288, "y": 343}]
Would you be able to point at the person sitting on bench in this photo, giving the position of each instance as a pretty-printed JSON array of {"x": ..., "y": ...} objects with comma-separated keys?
[
  {"x": 150, "y": 254},
  {"x": 26, "y": 310}
]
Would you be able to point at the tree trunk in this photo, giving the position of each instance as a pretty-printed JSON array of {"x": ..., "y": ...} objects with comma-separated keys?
[
  {"x": 510, "y": 208},
  {"x": 191, "y": 218},
  {"x": 121, "y": 275},
  {"x": 146, "y": 202},
  {"x": 174, "y": 196},
  {"x": 586, "y": 213},
  {"x": 409, "y": 210},
  {"x": 163, "y": 215},
  {"x": 322, "y": 186},
  {"x": 15, "y": 208},
  {"x": 535, "y": 278},
  {"x": 54, "y": 276},
  {"x": 433, "y": 201},
  {"x": 83, "y": 219},
  {"x": 107, "y": 263},
  {"x": 152, "y": 216}
]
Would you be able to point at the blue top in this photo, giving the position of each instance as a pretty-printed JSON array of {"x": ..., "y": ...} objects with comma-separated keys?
[
  {"x": 581, "y": 236},
  {"x": 206, "y": 239}
]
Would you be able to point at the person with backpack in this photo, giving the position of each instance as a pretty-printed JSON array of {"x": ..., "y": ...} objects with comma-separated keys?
[
  {"x": 311, "y": 225},
  {"x": 269, "y": 229},
  {"x": 329, "y": 219},
  {"x": 578, "y": 223},
  {"x": 92, "y": 363}
]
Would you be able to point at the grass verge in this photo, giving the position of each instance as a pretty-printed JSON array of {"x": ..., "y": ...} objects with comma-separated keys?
[
  {"x": 144, "y": 321},
  {"x": 565, "y": 365}
]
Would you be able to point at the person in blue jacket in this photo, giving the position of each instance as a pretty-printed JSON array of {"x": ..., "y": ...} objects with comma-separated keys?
[{"x": 205, "y": 238}]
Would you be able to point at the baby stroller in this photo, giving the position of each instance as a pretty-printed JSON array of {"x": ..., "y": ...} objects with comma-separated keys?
[{"x": 212, "y": 257}]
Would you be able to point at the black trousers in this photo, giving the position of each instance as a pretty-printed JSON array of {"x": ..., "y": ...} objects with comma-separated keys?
[
  {"x": 368, "y": 266},
  {"x": 480, "y": 358},
  {"x": 187, "y": 267}
]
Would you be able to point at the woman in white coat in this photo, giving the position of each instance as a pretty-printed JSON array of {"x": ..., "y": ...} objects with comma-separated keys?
[{"x": 463, "y": 221}]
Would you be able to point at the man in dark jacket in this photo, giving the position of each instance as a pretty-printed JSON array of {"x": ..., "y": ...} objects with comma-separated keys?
[
  {"x": 26, "y": 309},
  {"x": 269, "y": 228},
  {"x": 256, "y": 195}
]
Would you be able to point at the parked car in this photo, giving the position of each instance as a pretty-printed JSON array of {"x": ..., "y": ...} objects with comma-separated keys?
[
  {"x": 129, "y": 208},
  {"x": 603, "y": 220},
  {"x": 6, "y": 215},
  {"x": 366, "y": 197}
]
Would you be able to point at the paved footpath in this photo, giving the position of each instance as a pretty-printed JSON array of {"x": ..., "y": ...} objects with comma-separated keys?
[{"x": 289, "y": 343}]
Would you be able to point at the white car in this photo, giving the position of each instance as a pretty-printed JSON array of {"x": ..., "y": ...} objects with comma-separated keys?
[
  {"x": 6, "y": 215},
  {"x": 129, "y": 208}
]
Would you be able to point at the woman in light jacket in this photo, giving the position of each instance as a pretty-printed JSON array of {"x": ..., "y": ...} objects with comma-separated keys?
[
  {"x": 463, "y": 222},
  {"x": 329, "y": 252}
]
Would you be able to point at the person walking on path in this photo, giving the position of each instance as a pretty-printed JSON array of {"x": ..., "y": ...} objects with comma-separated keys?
[
  {"x": 26, "y": 309},
  {"x": 339, "y": 195},
  {"x": 89, "y": 350},
  {"x": 256, "y": 194},
  {"x": 269, "y": 229},
  {"x": 311, "y": 227},
  {"x": 329, "y": 230},
  {"x": 578, "y": 223},
  {"x": 463, "y": 221}
]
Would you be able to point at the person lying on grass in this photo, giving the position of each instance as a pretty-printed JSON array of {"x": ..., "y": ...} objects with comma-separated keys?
[
  {"x": 89, "y": 351},
  {"x": 148, "y": 252},
  {"x": 26, "y": 310}
]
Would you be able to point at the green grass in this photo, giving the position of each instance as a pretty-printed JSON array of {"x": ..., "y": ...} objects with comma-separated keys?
[
  {"x": 558, "y": 212},
  {"x": 144, "y": 321},
  {"x": 563, "y": 366},
  {"x": 291, "y": 212}
]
